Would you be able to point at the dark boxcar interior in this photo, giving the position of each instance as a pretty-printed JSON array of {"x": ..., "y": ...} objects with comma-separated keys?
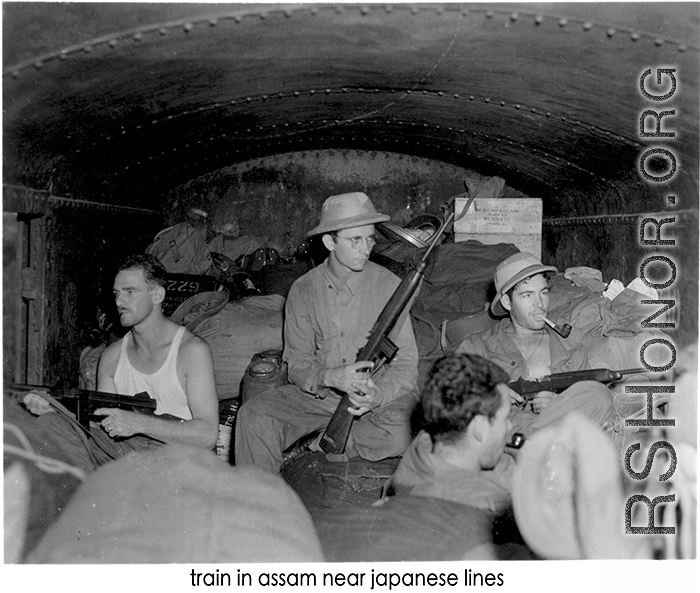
[{"x": 119, "y": 119}]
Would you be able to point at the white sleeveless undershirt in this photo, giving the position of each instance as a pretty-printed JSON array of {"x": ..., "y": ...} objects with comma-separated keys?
[{"x": 163, "y": 385}]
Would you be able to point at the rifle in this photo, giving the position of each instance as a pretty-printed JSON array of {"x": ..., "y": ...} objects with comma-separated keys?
[
  {"x": 558, "y": 382},
  {"x": 379, "y": 349},
  {"x": 83, "y": 402}
]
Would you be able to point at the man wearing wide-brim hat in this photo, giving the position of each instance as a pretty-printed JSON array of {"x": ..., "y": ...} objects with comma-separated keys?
[
  {"x": 329, "y": 314},
  {"x": 524, "y": 346}
]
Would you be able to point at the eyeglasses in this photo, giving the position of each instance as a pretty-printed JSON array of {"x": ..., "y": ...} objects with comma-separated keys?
[{"x": 355, "y": 242}]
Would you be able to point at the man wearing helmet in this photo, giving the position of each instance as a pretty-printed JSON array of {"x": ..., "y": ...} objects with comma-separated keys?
[{"x": 523, "y": 345}]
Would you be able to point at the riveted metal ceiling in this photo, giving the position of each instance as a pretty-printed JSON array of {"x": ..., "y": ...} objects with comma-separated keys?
[{"x": 119, "y": 103}]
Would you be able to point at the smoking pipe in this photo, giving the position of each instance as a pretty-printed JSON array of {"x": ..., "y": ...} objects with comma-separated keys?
[{"x": 563, "y": 331}]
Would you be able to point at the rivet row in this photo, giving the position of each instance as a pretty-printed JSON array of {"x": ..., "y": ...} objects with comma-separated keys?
[
  {"x": 328, "y": 91},
  {"x": 189, "y": 26},
  {"x": 286, "y": 141}
]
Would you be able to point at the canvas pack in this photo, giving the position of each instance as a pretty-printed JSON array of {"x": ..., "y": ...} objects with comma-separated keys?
[{"x": 181, "y": 249}]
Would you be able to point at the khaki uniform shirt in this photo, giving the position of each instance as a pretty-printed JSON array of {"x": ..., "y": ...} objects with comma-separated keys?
[{"x": 327, "y": 322}]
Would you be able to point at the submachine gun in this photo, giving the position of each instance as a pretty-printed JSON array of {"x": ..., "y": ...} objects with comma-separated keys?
[
  {"x": 83, "y": 402},
  {"x": 379, "y": 349}
]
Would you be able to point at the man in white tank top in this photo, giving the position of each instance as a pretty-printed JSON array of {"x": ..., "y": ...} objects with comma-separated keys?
[{"x": 158, "y": 356}]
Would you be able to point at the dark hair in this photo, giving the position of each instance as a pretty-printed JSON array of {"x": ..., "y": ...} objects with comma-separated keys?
[
  {"x": 459, "y": 387},
  {"x": 153, "y": 270},
  {"x": 545, "y": 275}
]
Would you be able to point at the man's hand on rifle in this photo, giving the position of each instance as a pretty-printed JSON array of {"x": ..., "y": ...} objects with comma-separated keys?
[
  {"x": 354, "y": 379},
  {"x": 345, "y": 378},
  {"x": 120, "y": 423},
  {"x": 515, "y": 397},
  {"x": 36, "y": 404},
  {"x": 364, "y": 397},
  {"x": 541, "y": 400}
]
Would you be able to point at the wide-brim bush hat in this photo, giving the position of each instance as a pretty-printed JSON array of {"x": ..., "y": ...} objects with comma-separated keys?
[
  {"x": 512, "y": 270},
  {"x": 568, "y": 494},
  {"x": 346, "y": 211},
  {"x": 199, "y": 307}
]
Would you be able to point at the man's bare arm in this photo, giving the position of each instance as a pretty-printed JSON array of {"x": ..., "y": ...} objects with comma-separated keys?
[
  {"x": 201, "y": 430},
  {"x": 107, "y": 367}
]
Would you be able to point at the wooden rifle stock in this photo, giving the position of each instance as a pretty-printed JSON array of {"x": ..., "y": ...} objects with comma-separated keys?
[
  {"x": 83, "y": 402},
  {"x": 558, "y": 382},
  {"x": 379, "y": 349}
]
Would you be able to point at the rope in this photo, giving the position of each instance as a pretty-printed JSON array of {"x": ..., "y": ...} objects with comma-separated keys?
[{"x": 45, "y": 464}]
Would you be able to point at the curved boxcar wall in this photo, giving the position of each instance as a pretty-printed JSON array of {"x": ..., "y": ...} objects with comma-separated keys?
[
  {"x": 83, "y": 247},
  {"x": 280, "y": 197}
]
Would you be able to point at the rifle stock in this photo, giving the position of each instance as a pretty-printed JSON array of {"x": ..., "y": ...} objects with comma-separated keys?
[
  {"x": 379, "y": 349},
  {"x": 558, "y": 382},
  {"x": 83, "y": 402}
]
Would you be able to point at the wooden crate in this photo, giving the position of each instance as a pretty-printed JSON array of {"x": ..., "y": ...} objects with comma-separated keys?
[{"x": 492, "y": 220}]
